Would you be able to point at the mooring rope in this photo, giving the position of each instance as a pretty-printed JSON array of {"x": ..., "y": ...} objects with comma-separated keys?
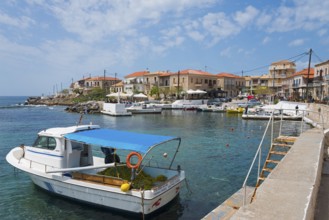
[{"x": 142, "y": 197}]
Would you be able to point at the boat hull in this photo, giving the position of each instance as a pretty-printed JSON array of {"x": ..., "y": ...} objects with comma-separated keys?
[{"x": 108, "y": 196}]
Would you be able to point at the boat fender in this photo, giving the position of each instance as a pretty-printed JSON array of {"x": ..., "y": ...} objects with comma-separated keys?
[
  {"x": 125, "y": 187},
  {"x": 135, "y": 166}
]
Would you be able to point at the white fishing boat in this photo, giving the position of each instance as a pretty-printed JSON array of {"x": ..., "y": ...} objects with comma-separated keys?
[
  {"x": 143, "y": 108},
  {"x": 64, "y": 161}
]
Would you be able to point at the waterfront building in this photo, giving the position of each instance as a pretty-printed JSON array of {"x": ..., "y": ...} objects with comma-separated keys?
[
  {"x": 159, "y": 79},
  {"x": 230, "y": 83},
  {"x": 251, "y": 84},
  {"x": 278, "y": 71},
  {"x": 321, "y": 81},
  {"x": 134, "y": 82},
  {"x": 298, "y": 83},
  {"x": 193, "y": 79},
  {"x": 85, "y": 85}
]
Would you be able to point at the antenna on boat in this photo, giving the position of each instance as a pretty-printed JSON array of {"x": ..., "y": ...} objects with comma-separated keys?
[{"x": 85, "y": 111}]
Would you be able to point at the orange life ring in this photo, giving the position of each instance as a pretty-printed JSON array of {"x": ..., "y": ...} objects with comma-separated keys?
[{"x": 139, "y": 156}]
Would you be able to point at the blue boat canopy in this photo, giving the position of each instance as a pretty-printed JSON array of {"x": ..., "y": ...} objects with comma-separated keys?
[{"x": 119, "y": 139}]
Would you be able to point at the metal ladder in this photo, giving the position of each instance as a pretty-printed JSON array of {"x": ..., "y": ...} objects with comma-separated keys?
[{"x": 279, "y": 148}]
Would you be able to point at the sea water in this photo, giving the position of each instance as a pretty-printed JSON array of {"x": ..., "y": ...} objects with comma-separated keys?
[{"x": 216, "y": 152}]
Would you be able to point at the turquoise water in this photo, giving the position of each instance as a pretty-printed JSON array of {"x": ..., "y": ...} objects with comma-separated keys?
[{"x": 216, "y": 152}]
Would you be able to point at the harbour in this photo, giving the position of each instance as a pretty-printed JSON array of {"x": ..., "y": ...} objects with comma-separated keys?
[{"x": 219, "y": 148}]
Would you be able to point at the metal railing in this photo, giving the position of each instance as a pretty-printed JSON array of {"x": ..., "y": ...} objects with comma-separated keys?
[{"x": 271, "y": 122}]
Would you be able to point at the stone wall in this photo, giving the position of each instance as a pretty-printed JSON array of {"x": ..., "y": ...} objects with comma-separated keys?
[{"x": 317, "y": 112}]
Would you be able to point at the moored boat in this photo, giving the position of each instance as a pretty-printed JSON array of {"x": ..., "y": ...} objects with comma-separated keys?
[
  {"x": 235, "y": 110},
  {"x": 142, "y": 108},
  {"x": 62, "y": 161},
  {"x": 211, "y": 108}
]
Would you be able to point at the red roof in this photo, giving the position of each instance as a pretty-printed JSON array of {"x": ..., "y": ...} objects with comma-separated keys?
[
  {"x": 304, "y": 73},
  {"x": 101, "y": 78},
  {"x": 227, "y": 75},
  {"x": 195, "y": 72},
  {"x": 137, "y": 74}
]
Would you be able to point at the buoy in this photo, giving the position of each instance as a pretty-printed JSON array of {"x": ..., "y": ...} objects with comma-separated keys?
[
  {"x": 125, "y": 187},
  {"x": 165, "y": 155}
]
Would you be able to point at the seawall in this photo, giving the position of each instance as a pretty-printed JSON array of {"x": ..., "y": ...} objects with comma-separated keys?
[
  {"x": 318, "y": 111},
  {"x": 290, "y": 191},
  {"x": 298, "y": 188}
]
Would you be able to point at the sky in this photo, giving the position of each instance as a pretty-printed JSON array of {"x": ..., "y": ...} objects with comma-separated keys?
[{"x": 45, "y": 45}]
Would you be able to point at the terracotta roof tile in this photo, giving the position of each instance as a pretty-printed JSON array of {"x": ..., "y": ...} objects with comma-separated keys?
[
  {"x": 283, "y": 62},
  {"x": 304, "y": 73},
  {"x": 195, "y": 72},
  {"x": 100, "y": 78},
  {"x": 228, "y": 75},
  {"x": 137, "y": 74}
]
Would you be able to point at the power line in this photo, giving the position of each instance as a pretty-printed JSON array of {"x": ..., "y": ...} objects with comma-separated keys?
[{"x": 319, "y": 59}]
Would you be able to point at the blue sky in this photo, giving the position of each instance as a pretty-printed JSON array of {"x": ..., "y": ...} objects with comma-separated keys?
[{"x": 45, "y": 44}]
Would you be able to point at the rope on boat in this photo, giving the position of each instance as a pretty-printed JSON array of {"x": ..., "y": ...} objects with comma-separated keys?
[
  {"x": 142, "y": 198},
  {"x": 188, "y": 187}
]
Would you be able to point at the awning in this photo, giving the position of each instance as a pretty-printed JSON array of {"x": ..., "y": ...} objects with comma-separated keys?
[{"x": 119, "y": 139}]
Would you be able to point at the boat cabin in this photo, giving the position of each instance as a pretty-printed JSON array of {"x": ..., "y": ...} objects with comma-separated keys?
[{"x": 51, "y": 148}]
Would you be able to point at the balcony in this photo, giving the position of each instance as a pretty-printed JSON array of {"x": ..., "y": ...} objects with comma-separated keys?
[
  {"x": 318, "y": 79},
  {"x": 295, "y": 85}
]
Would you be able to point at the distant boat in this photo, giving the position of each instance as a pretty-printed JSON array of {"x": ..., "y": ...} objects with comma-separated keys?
[
  {"x": 61, "y": 161},
  {"x": 237, "y": 110},
  {"x": 188, "y": 103},
  {"x": 143, "y": 108},
  {"x": 211, "y": 108}
]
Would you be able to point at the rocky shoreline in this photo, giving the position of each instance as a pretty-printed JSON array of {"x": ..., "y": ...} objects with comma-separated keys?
[{"x": 90, "y": 107}]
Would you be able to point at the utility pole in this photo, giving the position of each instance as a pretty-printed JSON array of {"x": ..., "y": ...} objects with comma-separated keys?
[
  {"x": 104, "y": 83},
  {"x": 178, "y": 85},
  {"x": 308, "y": 72}
]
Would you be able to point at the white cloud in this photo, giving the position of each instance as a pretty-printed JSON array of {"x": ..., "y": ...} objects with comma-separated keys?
[
  {"x": 245, "y": 17},
  {"x": 22, "y": 22},
  {"x": 266, "y": 40},
  {"x": 227, "y": 52},
  {"x": 304, "y": 14},
  {"x": 297, "y": 42},
  {"x": 218, "y": 26},
  {"x": 322, "y": 32}
]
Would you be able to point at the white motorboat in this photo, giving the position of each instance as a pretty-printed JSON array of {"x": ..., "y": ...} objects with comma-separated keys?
[
  {"x": 143, "y": 108},
  {"x": 63, "y": 161},
  {"x": 211, "y": 108},
  {"x": 188, "y": 103}
]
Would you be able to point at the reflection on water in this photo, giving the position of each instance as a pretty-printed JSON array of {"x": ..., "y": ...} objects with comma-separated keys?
[{"x": 216, "y": 152}]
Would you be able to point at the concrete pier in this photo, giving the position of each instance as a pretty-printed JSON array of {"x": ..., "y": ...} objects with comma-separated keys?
[
  {"x": 298, "y": 187},
  {"x": 290, "y": 191}
]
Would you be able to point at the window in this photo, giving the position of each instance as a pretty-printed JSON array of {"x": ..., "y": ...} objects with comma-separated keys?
[{"x": 45, "y": 143}]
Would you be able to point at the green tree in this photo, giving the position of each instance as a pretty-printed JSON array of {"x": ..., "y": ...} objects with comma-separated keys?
[{"x": 155, "y": 91}]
